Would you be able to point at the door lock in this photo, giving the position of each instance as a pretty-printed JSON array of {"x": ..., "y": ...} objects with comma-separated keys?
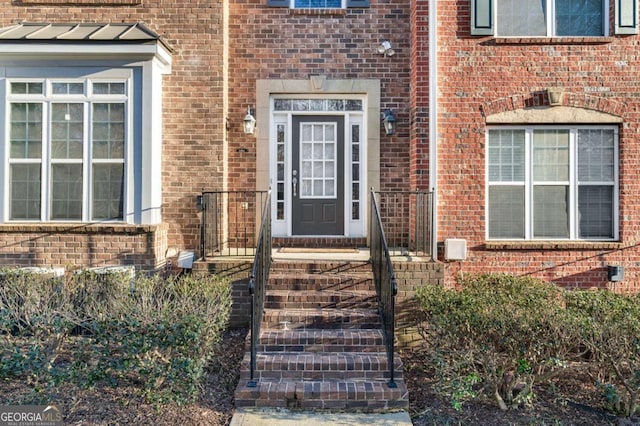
[{"x": 294, "y": 182}]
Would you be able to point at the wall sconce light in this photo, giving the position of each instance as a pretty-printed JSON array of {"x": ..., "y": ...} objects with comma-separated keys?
[
  {"x": 389, "y": 121},
  {"x": 249, "y": 122},
  {"x": 385, "y": 49}
]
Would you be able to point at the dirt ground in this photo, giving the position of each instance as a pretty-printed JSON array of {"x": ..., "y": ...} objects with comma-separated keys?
[{"x": 571, "y": 401}]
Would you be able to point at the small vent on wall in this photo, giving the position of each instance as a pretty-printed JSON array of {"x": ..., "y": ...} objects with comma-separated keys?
[{"x": 455, "y": 249}]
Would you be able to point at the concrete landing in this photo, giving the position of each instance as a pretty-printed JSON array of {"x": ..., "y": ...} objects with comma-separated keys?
[{"x": 283, "y": 417}]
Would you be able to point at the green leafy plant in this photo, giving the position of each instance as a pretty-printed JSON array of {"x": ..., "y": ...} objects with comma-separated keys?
[{"x": 507, "y": 332}]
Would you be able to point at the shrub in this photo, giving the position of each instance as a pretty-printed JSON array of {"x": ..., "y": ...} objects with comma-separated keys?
[
  {"x": 154, "y": 333},
  {"x": 497, "y": 334},
  {"x": 610, "y": 331}
]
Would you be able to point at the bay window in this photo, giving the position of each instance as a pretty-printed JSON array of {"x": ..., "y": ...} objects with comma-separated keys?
[
  {"x": 552, "y": 183},
  {"x": 67, "y": 150}
]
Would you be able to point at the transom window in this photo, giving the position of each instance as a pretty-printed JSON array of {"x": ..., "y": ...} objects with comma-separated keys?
[
  {"x": 549, "y": 18},
  {"x": 67, "y": 144},
  {"x": 552, "y": 183}
]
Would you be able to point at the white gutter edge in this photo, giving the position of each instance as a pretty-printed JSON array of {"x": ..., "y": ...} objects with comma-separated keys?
[{"x": 433, "y": 119}]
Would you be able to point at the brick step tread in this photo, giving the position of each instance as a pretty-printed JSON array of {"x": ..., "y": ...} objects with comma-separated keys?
[
  {"x": 366, "y": 396},
  {"x": 324, "y": 267},
  {"x": 283, "y": 319},
  {"x": 320, "y": 299},
  {"x": 311, "y": 282},
  {"x": 321, "y": 340},
  {"x": 323, "y": 361}
]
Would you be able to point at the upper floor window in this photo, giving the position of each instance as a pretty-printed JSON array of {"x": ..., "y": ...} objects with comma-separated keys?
[
  {"x": 67, "y": 150},
  {"x": 552, "y": 183},
  {"x": 540, "y": 18},
  {"x": 318, "y": 4},
  {"x": 553, "y": 18}
]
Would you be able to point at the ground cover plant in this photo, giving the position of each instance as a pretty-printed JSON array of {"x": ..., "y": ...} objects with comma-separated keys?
[{"x": 113, "y": 329}]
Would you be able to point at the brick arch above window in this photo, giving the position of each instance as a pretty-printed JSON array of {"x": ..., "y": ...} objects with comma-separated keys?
[{"x": 536, "y": 108}]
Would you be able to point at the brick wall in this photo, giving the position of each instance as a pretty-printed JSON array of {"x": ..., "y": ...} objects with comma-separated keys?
[
  {"x": 279, "y": 43},
  {"x": 479, "y": 75},
  {"x": 193, "y": 114}
]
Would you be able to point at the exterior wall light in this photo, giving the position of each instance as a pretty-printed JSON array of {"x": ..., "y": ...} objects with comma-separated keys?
[
  {"x": 389, "y": 121},
  {"x": 249, "y": 122},
  {"x": 385, "y": 49}
]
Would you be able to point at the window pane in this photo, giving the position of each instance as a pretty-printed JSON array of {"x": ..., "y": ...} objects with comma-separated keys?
[
  {"x": 506, "y": 212},
  {"x": 318, "y": 3},
  {"x": 551, "y": 155},
  {"x": 66, "y": 189},
  {"x": 596, "y": 155},
  {"x": 506, "y": 155},
  {"x": 108, "y": 191},
  {"x": 595, "y": 206},
  {"x": 550, "y": 211},
  {"x": 108, "y": 131},
  {"x": 521, "y": 18},
  {"x": 27, "y": 88},
  {"x": 579, "y": 18},
  {"x": 67, "y": 127},
  {"x": 25, "y": 192},
  {"x": 26, "y": 130}
]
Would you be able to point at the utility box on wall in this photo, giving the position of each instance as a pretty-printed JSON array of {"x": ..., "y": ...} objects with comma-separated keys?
[
  {"x": 615, "y": 273},
  {"x": 455, "y": 249}
]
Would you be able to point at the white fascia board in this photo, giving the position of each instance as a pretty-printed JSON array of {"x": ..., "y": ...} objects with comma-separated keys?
[{"x": 87, "y": 51}]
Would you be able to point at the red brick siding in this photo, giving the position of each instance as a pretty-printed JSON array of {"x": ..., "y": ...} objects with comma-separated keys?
[
  {"x": 277, "y": 43},
  {"x": 193, "y": 106},
  {"x": 478, "y": 76}
]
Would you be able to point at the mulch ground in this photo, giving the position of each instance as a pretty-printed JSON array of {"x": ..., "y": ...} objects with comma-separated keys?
[{"x": 570, "y": 400}]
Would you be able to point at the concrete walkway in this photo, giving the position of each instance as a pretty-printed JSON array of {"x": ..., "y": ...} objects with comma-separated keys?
[{"x": 283, "y": 417}]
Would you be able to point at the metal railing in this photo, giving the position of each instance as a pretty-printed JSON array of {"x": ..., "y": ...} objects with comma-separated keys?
[
  {"x": 385, "y": 281},
  {"x": 229, "y": 224},
  {"x": 258, "y": 282},
  {"x": 408, "y": 220}
]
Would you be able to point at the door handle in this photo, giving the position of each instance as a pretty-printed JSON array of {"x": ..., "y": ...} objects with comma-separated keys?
[{"x": 294, "y": 183}]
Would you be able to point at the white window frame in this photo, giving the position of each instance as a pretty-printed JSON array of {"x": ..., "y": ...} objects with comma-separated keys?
[
  {"x": 573, "y": 183},
  {"x": 87, "y": 99},
  {"x": 551, "y": 21}
]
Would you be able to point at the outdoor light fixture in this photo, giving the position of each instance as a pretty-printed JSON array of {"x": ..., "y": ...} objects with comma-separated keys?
[
  {"x": 389, "y": 121},
  {"x": 385, "y": 49},
  {"x": 249, "y": 122}
]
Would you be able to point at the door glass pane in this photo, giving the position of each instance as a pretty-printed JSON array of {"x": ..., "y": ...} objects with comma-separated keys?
[
  {"x": 317, "y": 165},
  {"x": 25, "y": 192},
  {"x": 595, "y": 206},
  {"x": 108, "y": 191},
  {"x": 66, "y": 190},
  {"x": 579, "y": 18},
  {"x": 521, "y": 18},
  {"x": 551, "y": 211},
  {"x": 506, "y": 212},
  {"x": 551, "y": 155}
]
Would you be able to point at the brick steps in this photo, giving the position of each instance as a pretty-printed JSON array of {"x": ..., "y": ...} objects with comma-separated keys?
[
  {"x": 321, "y": 345},
  {"x": 309, "y": 340},
  {"x": 277, "y": 299}
]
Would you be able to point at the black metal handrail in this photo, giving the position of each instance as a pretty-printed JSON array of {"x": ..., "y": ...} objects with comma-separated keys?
[
  {"x": 229, "y": 224},
  {"x": 385, "y": 281},
  {"x": 258, "y": 282},
  {"x": 408, "y": 220}
]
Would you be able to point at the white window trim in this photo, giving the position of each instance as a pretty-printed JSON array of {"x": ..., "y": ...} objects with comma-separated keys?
[
  {"x": 573, "y": 184},
  {"x": 148, "y": 64},
  {"x": 551, "y": 27}
]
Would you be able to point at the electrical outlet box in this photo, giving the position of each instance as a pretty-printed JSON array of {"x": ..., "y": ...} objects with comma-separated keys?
[{"x": 455, "y": 249}]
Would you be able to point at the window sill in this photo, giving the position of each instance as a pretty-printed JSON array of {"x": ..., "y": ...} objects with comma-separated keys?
[
  {"x": 553, "y": 40},
  {"x": 553, "y": 245},
  {"x": 318, "y": 12},
  {"x": 77, "y": 228}
]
